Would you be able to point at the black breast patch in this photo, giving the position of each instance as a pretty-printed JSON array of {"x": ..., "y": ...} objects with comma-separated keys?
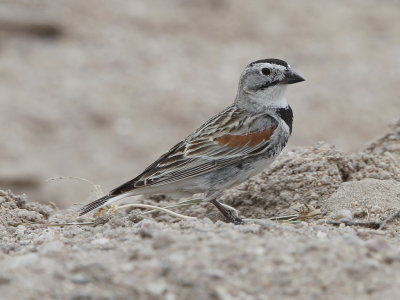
[{"x": 287, "y": 115}]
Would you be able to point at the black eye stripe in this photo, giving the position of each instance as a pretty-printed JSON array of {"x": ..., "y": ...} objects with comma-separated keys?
[
  {"x": 265, "y": 71},
  {"x": 267, "y": 85}
]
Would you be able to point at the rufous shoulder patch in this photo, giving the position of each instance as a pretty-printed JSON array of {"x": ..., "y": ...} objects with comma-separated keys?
[{"x": 249, "y": 139}]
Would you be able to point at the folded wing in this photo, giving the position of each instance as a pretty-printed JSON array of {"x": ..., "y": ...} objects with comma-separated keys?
[{"x": 225, "y": 139}]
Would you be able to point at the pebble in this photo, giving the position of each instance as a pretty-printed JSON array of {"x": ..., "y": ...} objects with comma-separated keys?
[
  {"x": 342, "y": 215},
  {"x": 135, "y": 216}
]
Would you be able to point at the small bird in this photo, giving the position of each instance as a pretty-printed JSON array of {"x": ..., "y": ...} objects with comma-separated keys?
[{"x": 234, "y": 145}]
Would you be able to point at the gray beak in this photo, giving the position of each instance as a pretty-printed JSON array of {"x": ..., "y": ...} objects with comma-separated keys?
[{"x": 291, "y": 77}]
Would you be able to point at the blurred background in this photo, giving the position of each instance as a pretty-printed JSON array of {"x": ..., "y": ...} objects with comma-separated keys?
[{"x": 99, "y": 89}]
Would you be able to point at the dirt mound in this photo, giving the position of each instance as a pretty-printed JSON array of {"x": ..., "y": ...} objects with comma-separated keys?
[
  {"x": 16, "y": 213},
  {"x": 381, "y": 166},
  {"x": 389, "y": 144},
  {"x": 312, "y": 175},
  {"x": 16, "y": 210},
  {"x": 369, "y": 200},
  {"x": 381, "y": 159},
  {"x": 307, "y": 175}
]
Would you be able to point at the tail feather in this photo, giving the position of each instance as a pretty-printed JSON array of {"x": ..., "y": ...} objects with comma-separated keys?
[
  {"x": 93, "y": 205},
  {"x": 105, "y": 200}
]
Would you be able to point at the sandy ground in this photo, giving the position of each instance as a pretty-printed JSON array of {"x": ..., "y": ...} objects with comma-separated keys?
[
  {"x": 128, "y": 255},
  {"x": 98, "y": 89}
]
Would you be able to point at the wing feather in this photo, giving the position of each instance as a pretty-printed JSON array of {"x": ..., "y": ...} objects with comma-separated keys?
[{"x": 209, "y": 148}]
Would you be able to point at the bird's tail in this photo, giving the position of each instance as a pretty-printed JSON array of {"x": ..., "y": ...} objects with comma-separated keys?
[{"x": 103, "y": 201}]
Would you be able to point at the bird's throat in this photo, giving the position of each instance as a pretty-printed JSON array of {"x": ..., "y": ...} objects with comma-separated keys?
[{"x": 271, "y": 97}]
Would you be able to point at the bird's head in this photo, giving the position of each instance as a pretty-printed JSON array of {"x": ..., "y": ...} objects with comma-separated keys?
[{"x": 264, "y": 82}]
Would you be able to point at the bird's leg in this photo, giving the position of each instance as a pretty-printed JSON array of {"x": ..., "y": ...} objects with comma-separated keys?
[
  {"x": 229, "y": 212},
  {"x": 234, "y": 210}
]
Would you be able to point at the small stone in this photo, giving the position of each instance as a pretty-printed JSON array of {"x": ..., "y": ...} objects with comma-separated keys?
[
  {"x": 207, "y": 220},
  {"x": 102, "y": 220},
  {"x": 117, "y": 221},
  {"x": 313, "y": 202},
  {"x": 135, "y": 216},
  {"x": 342, "y": 215}
]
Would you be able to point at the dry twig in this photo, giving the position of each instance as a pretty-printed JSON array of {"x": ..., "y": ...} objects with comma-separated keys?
[{"x": 389, "y": 219}]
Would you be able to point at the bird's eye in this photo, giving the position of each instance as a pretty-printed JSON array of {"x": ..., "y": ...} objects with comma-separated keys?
[{"x": 265, "y": 71}]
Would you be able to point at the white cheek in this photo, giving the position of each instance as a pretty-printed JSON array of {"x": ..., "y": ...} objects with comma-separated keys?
[{"x": 273, "y": 96}]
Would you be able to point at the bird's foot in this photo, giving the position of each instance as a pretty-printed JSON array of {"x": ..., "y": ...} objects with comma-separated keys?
[{"x": 230, "y": 213}]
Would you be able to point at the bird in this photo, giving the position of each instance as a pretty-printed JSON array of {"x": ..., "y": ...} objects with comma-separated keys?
[{"x": 228, "y": 149}]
